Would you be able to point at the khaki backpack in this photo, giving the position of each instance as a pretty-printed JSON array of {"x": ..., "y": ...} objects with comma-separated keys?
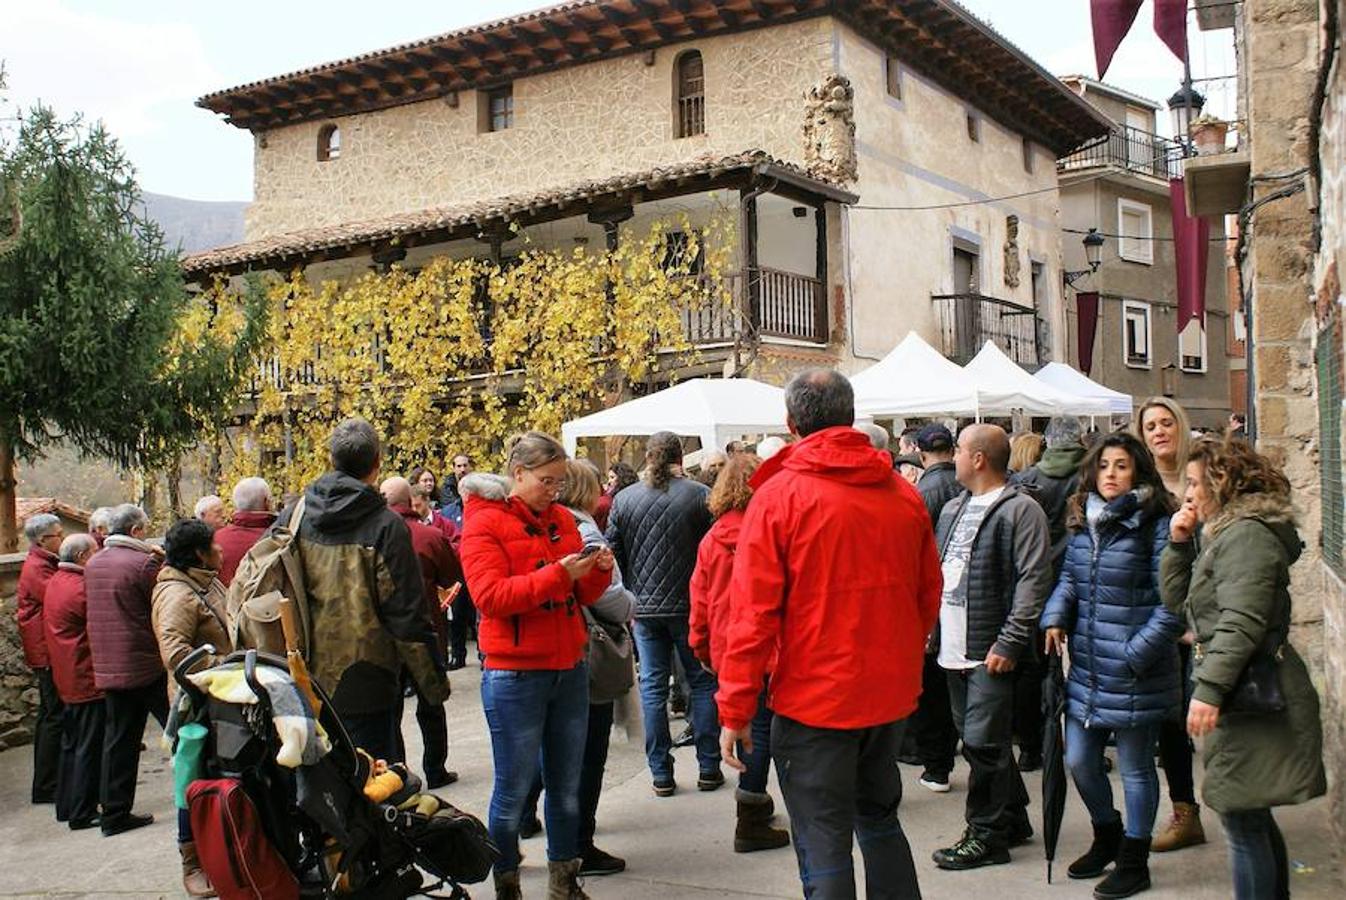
[{"x": 270, "y": 571}]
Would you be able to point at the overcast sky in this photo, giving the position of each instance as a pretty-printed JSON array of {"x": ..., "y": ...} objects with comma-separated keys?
[{"x": 140, "y": 65}]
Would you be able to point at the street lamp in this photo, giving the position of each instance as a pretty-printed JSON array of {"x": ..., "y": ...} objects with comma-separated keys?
[
  {"x": 1183, "y": 107},
  {"x": 1093, "y": 257}
]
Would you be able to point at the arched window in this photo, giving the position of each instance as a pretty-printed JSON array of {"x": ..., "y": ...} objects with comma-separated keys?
[
  {"x": 329, "y": 143},
  {"x": 689, "y": 93}
]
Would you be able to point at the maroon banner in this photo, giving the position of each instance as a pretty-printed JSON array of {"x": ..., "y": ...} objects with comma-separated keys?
[
  {"x": 1112, "y": 19},
  {"x": 1170, "y": 23},
  {"x": 1086, "y": 325},
  {"x": 1191, "y": 249}
]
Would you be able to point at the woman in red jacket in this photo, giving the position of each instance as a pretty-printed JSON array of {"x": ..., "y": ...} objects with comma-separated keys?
[
  {"x": 528, "y": 572},
  {"x": 709, "y": 623}
]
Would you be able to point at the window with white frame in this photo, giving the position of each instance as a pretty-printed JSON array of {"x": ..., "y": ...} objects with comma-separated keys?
[
  {"x": 1192, "y": 347},
  {"x": 1135, "y": 225},
  {"x": 1136, "y": 334}
]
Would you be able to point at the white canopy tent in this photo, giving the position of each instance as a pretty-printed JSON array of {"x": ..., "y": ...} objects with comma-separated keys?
[
  {"x": 914, "y": 379},
  {"x": 1067, "y": 378},
  {"x": 1002, "y": 386},
  {"x": 717, "y": 410}
]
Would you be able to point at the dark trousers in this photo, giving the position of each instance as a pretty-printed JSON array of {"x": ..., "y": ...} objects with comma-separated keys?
[
  {"x": 1175, "y": 747},
  {"x": 983, "y": 712},
  {"x": 81, "y": 761},
  {"x": 754, "y": 778},
  {"x": 464, "y": 621},
  {"x": 842, "y": 782},
  {"x": 434, "y": 725},
  {"x": 46, "y": 739},
  {"x": 1257, "y": 855},
  {"x": 936, "y": 736},
  {"x": 1028, "y": 721},
  {"x": 122, "y": 734},
  {"x": 591, "y": 774}
]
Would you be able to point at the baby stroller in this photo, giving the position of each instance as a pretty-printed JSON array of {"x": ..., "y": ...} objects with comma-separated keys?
[{"x": 329, "y": 823}]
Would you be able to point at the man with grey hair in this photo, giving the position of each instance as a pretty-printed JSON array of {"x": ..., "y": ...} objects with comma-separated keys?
[
  {"x": 210, "y": 509},
  {"x": 72, "y": 671},
  {"x": 252, "y": 517},
  {"x": 44, "y": 534},
  {"x": 118, "y": 582},
  {"x": 99, "y": 520}
]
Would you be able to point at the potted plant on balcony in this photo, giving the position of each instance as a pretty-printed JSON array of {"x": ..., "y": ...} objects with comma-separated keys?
[{"x": 1208, "y": 134}]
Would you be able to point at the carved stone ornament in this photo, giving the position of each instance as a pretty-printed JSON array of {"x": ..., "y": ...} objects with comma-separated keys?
[
  {"x": 829, "y": 130},
  {"x": 1012, "y": 251}
]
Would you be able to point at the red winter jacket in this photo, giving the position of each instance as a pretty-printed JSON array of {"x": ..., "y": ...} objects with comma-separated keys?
[
  {"x": 38, "y": 568},
  {"x": 67, "y": 615},
  {"x": 836, "y": 566},
  {"x": 527, "y": 601},
  {"x": 237, "y": 538},
  {"x": 439, "y": 568},
  {"x": 118, "y": 582},
  {"x": 709, "y": 621}
]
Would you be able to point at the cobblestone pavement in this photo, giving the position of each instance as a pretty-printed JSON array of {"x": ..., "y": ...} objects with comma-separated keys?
[{"x": 675, "y": 847}]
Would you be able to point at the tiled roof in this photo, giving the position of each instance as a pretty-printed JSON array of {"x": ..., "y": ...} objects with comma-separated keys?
[
  {"x": 31, "y": 506},
  {"x": 444, "y": 220}
]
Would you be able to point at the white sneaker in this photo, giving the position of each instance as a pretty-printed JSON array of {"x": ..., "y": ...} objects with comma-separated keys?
[{"x": 930, "y": 782}]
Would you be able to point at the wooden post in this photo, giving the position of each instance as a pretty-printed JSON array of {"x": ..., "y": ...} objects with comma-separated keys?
[
  {"x": 821, "y": 327},
  {"x": 9, "y": 513}
]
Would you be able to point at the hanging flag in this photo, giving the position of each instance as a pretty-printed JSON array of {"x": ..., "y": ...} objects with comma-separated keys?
[
  {"x": 1086, "y": 324},
  {"x": 1170, "y": 23},
  {"x": 1112, "y": 19},
  {"x": 1191, "y": 248}
]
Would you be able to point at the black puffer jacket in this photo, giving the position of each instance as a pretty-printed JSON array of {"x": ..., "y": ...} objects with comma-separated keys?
[
  {"x": 938, "y": 486},
  {"x": 1052, "y": 482},
  {"x": 654, "y": 533}
]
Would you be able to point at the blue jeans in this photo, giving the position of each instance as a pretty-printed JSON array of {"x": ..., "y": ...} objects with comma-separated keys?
[
  {"x": 536, "y": 716},
  {"x": 1135, "y": 759},
  {"x": 1257, "y": 855},
  {"x": 656, "y": 641},
  {"x": 754, "y": 779}
]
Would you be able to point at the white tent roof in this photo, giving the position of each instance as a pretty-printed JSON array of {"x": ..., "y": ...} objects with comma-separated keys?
[
  {"x": 1003, "y": 386},
  {"x": 717, "y": 410},
  {"x": 1068, "y": 378},
  {"x": 914, "y": 379}
]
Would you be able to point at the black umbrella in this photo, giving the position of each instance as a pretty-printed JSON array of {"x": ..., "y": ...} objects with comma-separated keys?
[{"x": 1053, "y": 757}]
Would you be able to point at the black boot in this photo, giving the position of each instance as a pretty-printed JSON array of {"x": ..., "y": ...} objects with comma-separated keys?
[
  {"x": 1102, "y": 852},
  {"x": 1132, "y": 874}
]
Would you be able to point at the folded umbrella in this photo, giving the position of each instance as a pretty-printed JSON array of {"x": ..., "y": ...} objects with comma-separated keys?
[
  {"x": 294, "y": 657},
  {"x": 1053, "y": 757}
]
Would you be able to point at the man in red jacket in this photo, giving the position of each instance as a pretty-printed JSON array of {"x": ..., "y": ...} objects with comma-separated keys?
[
  {"x": 836, "y": 573},
  {"x": 253, "y": 515},
  {"x": 44, "y": 539},
  {"x": 72, "y": 670},
  {"x": 439, "y": 569}
]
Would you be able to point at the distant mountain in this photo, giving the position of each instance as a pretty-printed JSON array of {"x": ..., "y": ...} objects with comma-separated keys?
[{"x": 196, "y": 224}]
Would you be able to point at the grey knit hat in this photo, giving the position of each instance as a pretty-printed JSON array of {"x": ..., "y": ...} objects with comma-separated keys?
[{"x": 1063, "y": 431}]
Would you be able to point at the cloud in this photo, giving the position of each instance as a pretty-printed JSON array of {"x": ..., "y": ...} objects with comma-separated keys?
[{"x": 125, "y": 73}]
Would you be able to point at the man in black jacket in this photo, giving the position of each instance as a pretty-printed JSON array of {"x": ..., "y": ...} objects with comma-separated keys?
[
  {"x": 939, "y": 484},
  {"x": 654, "y": 530},
  {"x": 997, "y": 573}
]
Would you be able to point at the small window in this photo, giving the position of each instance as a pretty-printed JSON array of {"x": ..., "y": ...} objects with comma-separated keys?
[
  {"x": 1136, "y": 334},
  {"x": 689, "y": 90},
  {"x": 892, "y": 74},
  {"x": 1135, "y": 224},
  {"x": 500, "y": 108},
  {"x": 329, "y": 143},
  {"x": 966, "y": 268},
  {"x": 1192, "y": 347},
  {"x": 1039, "y": 284},
  {"x": 677, "y": 253},
  {"x": 1028, "y": 155},
  {"x": 974, "y": 127}
]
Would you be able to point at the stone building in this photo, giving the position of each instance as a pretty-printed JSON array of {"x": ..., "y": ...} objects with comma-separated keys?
[
  {"x": 862, "y": 145},
  {"x": 1120, "y": 187}
]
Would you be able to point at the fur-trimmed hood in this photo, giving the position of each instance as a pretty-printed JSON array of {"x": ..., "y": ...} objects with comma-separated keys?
[
  {"x": 485, "y": 485},
  {"x": 1273, "y": 510}
]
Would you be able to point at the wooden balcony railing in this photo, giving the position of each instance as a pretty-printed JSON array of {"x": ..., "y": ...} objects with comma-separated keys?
[{"x": 968, "y": 321}]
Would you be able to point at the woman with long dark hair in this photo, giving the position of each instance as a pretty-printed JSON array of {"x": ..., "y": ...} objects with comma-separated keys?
[
  {"x": 1235, "y": 591},
  {"x": 1124, "y": 677}
]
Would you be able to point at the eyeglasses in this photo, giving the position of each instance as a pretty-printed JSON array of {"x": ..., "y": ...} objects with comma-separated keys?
[{"x": 553, "y": 484}]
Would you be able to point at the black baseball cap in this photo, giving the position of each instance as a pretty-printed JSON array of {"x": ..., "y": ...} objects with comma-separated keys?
[{"x": 934, "y": 439}]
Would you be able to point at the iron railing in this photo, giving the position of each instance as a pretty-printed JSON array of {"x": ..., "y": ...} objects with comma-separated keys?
[
  {"x": 1132, "y": 150},
  {"x": 968, "y": 321}
]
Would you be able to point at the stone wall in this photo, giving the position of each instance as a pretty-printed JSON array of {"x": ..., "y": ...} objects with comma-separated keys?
[
  {"x": 18, "y": 689},
  {"x": 580, "y": 122}
]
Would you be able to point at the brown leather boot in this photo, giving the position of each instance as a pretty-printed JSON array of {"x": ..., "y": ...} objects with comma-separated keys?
[
  {"x": 563, "y": 880},
  {"x": 507, "y": 886},
  {"x": 194, "y": 880},
  {"x": 1183, "y": 830},
  {"x": 754, "y": 830}
]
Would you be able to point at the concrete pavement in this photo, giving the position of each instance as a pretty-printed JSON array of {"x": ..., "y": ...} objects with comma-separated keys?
[{"x": 679, "y": 847}]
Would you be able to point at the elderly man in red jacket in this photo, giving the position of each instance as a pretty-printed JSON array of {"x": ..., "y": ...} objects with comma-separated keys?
[
  {"x": 439, "y": 569},
  {"x": 67, "y": 630},
  {"x": 837, "y": 574},
  {"x": 44, "y": 539},
  {"x": 252, "y": 517}
]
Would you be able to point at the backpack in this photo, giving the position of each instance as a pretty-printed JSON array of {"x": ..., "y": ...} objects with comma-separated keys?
[
  {"x": 270, "y": 571},
  {"x": 233, "y": 848}
]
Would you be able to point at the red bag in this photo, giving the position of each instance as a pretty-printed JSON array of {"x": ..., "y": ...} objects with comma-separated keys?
[{"x": 234, "y": 850}]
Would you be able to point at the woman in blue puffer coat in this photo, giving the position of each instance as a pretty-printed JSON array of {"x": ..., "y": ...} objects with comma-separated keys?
[{"x": 1124, "y": 676}]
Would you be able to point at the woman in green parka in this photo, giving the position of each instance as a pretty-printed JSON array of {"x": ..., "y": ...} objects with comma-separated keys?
[{"x": 1234, "y": 592}]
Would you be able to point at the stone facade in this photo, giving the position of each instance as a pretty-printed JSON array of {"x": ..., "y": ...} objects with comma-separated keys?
[{"x": 18, "y": 688}]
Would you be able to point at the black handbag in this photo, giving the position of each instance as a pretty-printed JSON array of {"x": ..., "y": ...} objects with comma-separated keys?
[
  {"x": 1258, "y": 689},
  {"x": 612, "y": 665}
]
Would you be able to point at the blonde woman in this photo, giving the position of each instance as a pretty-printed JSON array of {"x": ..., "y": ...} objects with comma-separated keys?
[
  {"x": 1025, "y": 450},
  {"x": 1163, "y": 425}
]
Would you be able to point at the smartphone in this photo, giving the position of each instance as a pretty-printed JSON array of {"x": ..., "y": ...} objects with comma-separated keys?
[{"x": 590, "y": 550}]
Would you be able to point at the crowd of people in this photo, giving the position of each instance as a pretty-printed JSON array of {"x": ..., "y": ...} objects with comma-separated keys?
[{"x": 823, "y": 604}]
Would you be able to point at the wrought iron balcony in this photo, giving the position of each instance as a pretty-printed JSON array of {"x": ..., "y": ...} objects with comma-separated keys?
[
  {"x": 968, "y": 321},
  {"x": 1132, "y": 150}
]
